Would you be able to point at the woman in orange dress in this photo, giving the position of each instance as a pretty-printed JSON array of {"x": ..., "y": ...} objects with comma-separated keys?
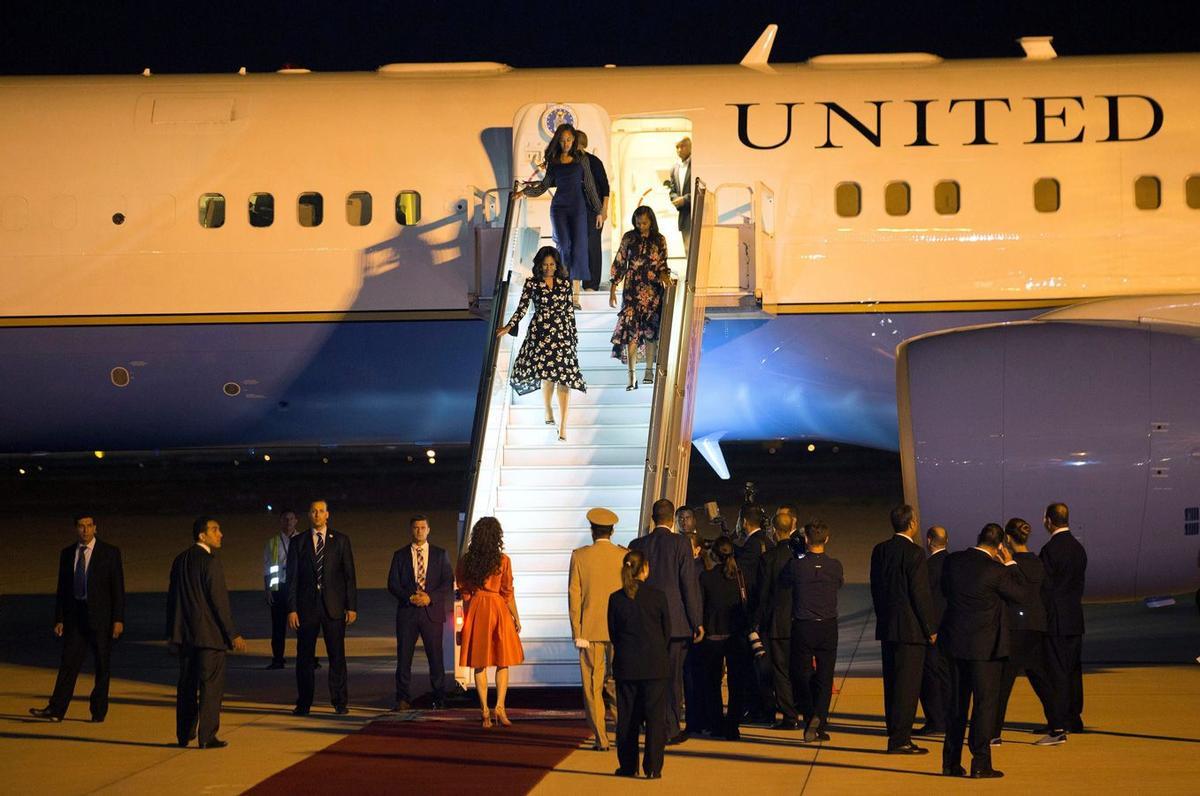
[{"x": 491, "y": 625}]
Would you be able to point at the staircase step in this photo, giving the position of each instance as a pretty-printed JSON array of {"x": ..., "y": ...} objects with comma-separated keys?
[
  {"x": 596, "y": 394},
  {"x": 545, "y": 583},
  {"x": 529, "y": 519},
  {"x": 570, "y": 453},
  {"x": 565, "y": 497},
  {"x": 586, "y": 415},
  {"x": 595, "y": 475},
  {"x": 546, "y": 626},
  {"x": 543, "y": 540},
  {"x": 629, "y": 434}
]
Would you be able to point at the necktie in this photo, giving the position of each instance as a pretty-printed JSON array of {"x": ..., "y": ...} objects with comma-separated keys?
[
  {"x": 320, "y": 560},
  {"x": 81, "y": 574},
  {"x": 421, "y": 568}
]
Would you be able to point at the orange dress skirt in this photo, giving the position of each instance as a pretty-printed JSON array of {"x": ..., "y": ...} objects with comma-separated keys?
[{"x": 489, "y": 634}]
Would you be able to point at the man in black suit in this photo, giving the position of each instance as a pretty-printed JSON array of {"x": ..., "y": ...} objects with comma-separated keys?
[
  {"x": 673, "y": 572},
  {"x": 89, "y": 614},
  {"x": 322, "y": 599},
  {"x": 903, "y": 624},
  {"x": 935, "y": 678},
  {"x": 200, "y": 630},
  {"x": 774, "y": 612},
  {"x": 975, "y": 634},
  {"x": 596, "y": 223},
  {"x": 680, "y": 186},
  {"x": 758, "y": 696},
  {"x": 422, "y": 581},
  {"x": 1066, "y": 566}
]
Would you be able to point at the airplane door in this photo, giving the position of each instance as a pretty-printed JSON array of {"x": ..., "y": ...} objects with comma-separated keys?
[
  {"x": 533, "y": 126},
  {"x": 762, "y": 276}
]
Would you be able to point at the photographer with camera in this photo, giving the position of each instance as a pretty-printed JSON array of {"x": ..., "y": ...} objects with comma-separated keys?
[
  {"x": 725, "y": 643},
  {"x": 815, "y": 579},
  {"x": 759, "y": 698},
  {"x": 773, "y": 616}
]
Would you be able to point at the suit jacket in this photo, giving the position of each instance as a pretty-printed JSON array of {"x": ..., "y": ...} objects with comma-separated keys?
[
  {"x": 749, "y": 556},
  {"x": 198, "y": 612},
  {"x": 1066, "y": 564},
  {"x": 640, "y": 629},
  {"x": 773, "y": 614},
  {"x": 105, "y": 587},
  {"x": 1030, "y": 612},
  {"x": 673, "y": 572},
  {"x": 900, "y": 592},
  {"x": 340, "y": 592},
  {"x": 681, "y": 185},
  {"x": 934, "y": 566},
  {"x": 976, "y": 625},
  {"x": 594, "y": 575},
  {"x": 439, "y": 584}
]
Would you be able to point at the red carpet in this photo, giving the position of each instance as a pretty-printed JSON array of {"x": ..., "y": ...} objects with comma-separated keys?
[{"x": 446, "y": 752}]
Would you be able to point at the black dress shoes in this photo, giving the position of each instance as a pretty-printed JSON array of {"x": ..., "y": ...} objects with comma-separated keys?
[
  {"x": 96, "y": 719},
  {"x": 953, "y": 771},
  {"x": 653, "y": 775},
  {"x": 931, "y": 729},
  {"x": 215, "y": 743},
  {"x": 908, "y": 749},
  {"x": 275, "y": 665},
  {"x": 812, "y": 729},
  {"x": 45, "y": 713},
  {"x": 985, "y": 773},
  {"x": 785, "y": 724},
  {"x": 403, "y": 704},
  {"x": 341, "y": 710},
  {"x": 675, "y": 740},
  {"x": 299, "y": 711},
  {"x": 625, "y": 772},
  {"x": 1075, "y": 727}
]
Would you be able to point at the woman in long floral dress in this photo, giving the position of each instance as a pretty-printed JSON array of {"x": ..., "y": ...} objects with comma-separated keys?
[
  {"x": 641, "y": 264},
  {"x": 548, "y": 357}
]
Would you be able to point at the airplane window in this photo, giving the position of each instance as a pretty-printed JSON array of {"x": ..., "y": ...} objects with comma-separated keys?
[
  {"x": 946, "y": 197},
  {"x": 358, "y": 208},
  {"x": 848, "y": 199},
  {"x": 1147, "y": 193},
  {"x": 1192, "y": 189},
  {"x": 212, "y": 210},
  {"x": 408, "y": 208},
  {"x": 262, "y": 209},
  {"x": 896, "y": 198},
  {"x": 1045, "y": 195},
  {"x": 310, "y": 209}
]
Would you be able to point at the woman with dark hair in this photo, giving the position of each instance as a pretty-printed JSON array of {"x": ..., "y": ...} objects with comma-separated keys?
[
  {"x": 639, "y": 626},
  {"x": 641, "y": 264},
  {"x": 576, "y": 201},
  {"x": 724, "y": 646},
  {"x": 548, "y": 356},
  {"x": 491, "y": 626},
  {"x": 1027, "y": 627}
]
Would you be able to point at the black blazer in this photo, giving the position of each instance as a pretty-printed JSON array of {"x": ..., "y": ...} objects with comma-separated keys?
[
  {"x": 673, "y": 572},
  {"x": 198, "y": 612},
  {"x": 340, "y": 592},
  {"x": 749, "y": 556},
  {"x": 724, "y": 611},
  {"x": 1066, "y": 564},
  {"x": 900, "y": 592},
  {"x": 773, "y": 608},
  {"x": 105, "y": 587},
  {"x": 640, "y": 630},
  {"x": 439, "y": 584},
  {"x": 1030, "y": 612},
  {"x": 934, "y": 565},
  {"x": 681, "y": 185},
  {"x": 976, "y": 625}
]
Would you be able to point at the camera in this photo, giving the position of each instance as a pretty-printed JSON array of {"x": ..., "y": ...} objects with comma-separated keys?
[{"x": 756, "y": 644}]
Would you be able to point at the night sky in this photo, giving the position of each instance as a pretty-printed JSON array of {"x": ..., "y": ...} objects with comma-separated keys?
[{"x": 57, "y": 37}]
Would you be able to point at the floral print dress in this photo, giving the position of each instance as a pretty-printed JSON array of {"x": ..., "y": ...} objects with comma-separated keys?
[
  {"x": 549, "y": 350},
  {"x": 642, "y": 263}
]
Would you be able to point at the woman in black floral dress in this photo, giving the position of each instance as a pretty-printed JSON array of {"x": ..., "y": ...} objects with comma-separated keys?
[
  {"x": 641, "y": 263},
  {"x": 548, "y": 356}
]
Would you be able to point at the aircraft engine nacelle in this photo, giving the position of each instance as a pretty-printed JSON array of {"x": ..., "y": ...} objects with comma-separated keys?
[{"x": 998, "y": 421}]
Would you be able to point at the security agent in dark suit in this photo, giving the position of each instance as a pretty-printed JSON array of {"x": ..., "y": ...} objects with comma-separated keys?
[
  {"x": 673, "y": 572},
  {"x": 773, "y": 615},
  {"x": 975, "y": 634},
  {"x": 422, "y": 581},
  {"x": 680, "y": 186},
  {"x": 323, "y": 599},
  {"x": 935, "y": 677},
  {"x": 903, "y": 624},
  {"x": 1027, "y": 620},
  {"x": 595, "y": 250},
  {"x": 1066, "y": 567},
  {"x": 89, "y": 613},
  {"x": 639, "y": 625},
  {"x": 200, "y": 630},
  {"x": 759, "y": 693},
  {"x": 815, "y": 579}
]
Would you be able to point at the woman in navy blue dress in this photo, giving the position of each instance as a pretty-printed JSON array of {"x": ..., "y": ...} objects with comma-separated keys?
[{"x": 575, "y": 205}]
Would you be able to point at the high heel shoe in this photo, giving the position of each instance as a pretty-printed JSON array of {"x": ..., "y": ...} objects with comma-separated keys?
[
  {"x": 550, "y": 418},
  {"x": 633, "y": 384},
  {"x": 649, "y": 379},
  {"x": 502, "y": 717},
  {"x": 487, "y": 719}
]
